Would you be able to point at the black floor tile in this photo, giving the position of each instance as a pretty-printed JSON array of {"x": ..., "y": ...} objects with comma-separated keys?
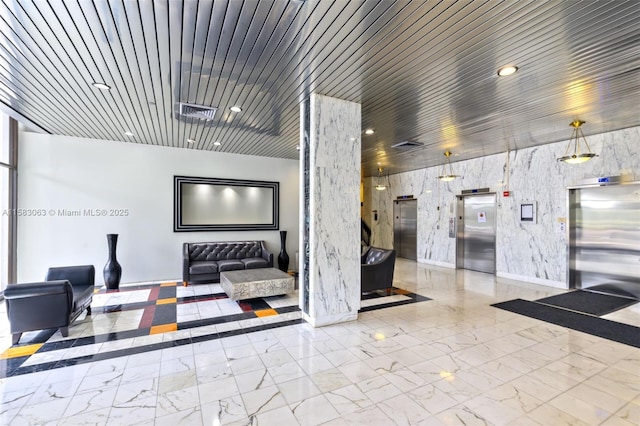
[
  {"x": 167, "y": 292},
  {"x": 165, "y": 314}
]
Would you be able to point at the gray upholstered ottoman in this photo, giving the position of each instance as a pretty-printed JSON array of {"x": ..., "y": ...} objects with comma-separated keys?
[{"x": 250, "y": 283}]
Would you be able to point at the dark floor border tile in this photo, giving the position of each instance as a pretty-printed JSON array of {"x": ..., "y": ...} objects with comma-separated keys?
[
  {"x": 179, "y": 300},
  {"x": 10, "y": 364},
  {"x": 140, "y": 332},
  {"x": 386, "y": 305},
  {"x": 90, "y": 340},
  {"x": 412, "y": 298},
  {"x": 215, "y": 320},
  {"x": 13, "y": 368},
  {"x": 18, "y": 371},
  {"x": 202, "y": 298},
  {"x": 287, "y": 309}
]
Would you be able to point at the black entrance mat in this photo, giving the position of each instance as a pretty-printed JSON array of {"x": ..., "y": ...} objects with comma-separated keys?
[
  {"x": 618, "y": 332},
  {"x": 588, "y": 302}
]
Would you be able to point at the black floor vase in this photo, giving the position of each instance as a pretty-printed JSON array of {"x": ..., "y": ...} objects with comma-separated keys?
[
  {"x": 112, "y": 270},
  {"x": 283, "y": 257}
]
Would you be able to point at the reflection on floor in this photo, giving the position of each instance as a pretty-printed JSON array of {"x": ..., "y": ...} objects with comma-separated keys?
[{"x": 166, "y": 354}]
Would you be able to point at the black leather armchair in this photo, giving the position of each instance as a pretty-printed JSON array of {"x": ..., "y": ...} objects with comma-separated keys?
[
  {"x": 376, "y": 269},
  {"x": 54, "y": 303}
]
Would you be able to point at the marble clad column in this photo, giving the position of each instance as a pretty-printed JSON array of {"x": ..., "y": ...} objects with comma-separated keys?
[{"x": 330, "y": 210}]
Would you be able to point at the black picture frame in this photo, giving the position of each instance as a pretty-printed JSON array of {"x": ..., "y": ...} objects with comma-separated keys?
[{"x": 183, "y": 185}]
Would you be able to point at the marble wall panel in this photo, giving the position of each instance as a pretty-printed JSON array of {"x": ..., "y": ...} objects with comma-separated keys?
[
  {"x": 534, "y": 252},
  {"x": 334, "y": 220},
  {"x": 383, "y": 237}
]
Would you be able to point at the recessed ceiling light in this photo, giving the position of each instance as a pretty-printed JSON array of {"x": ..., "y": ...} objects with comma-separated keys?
[
  {"x": 236, "y": 109},
  {"x": 101, "y": 86},
  {"x": 508, "y": 70},
  {"x": 369, "y": 132},
  {"x": 128, "y": 133},
  {"x": 191, "y": 141},
  {"x": 216, "y": 143}
]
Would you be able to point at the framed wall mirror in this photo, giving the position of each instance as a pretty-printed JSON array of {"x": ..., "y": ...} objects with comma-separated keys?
[{"x": 213, "y": 204}]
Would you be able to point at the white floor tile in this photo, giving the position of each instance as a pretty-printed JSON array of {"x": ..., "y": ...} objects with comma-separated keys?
[{"x": 451, "y": 360}]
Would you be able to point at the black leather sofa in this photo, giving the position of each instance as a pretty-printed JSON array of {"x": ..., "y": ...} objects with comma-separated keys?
[
  {"x": 53, "y": 303},
  {"x": 203, "y": 262},
  {"x": 376, "y": 269}
]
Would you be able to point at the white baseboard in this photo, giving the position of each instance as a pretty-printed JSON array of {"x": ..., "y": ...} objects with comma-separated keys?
[
  {"x": 533, "y": 280},
  {"x": 524, "y": 278}
]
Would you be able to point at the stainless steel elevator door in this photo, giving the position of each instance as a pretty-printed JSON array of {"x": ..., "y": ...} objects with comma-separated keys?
[
  {"x": 604, "y": 239},
  {"x": 476, "y": 237},
  {"x": 405, "y": 215}
]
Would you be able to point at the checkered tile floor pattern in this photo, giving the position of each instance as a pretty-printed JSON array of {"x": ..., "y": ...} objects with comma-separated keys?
[{"x": 148, "y": 317}]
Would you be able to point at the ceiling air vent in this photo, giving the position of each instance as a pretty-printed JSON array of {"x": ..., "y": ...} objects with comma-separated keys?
[
  {"x": 199, "y": 112},
  {"x": 406, "y": 145}
]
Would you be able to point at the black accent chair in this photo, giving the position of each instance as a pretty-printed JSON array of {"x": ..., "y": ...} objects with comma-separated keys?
[
  {"x": 376, "y": 269},
  {"x": 53, "y": 303}
]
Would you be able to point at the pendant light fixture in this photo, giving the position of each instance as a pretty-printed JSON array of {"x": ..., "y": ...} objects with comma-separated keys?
[
  {"x": 444, "y": 175},
  {"x": 382, "y": 182},
  {"x": 577, "y": 156}
]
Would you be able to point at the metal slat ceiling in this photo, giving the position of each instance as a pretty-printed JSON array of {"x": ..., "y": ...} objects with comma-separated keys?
[{"x": 424, "y": 71}]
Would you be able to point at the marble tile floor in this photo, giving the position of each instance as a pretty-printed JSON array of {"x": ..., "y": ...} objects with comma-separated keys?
[
  {"x": 138, "y": 316},
  {"x": 124, "y": 323},
  {"x": 450, "y": 360}
]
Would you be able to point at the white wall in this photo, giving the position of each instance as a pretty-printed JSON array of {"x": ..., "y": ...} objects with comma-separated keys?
[
  {"x": 529, "y": 252},
  {"x": 58, "y": 172}
]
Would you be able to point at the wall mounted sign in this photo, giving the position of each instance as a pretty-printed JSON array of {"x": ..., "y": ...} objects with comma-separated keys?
[
  {"x": 561, "y": 225},
  {"x": 528, "y": 212}
]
